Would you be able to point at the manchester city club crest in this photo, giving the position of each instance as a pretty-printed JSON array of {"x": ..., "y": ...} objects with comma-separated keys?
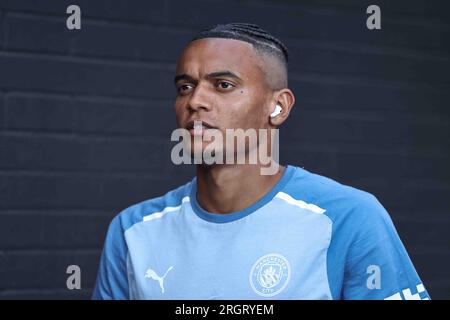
[{"x": 270, "y": 275}]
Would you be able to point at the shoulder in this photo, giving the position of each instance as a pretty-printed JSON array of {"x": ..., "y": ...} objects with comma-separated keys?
[
  {"x": 136, "y": 212},
  {"x": 339, "y": 201}
]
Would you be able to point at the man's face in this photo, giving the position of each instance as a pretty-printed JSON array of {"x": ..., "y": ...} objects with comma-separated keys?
[{"x": 220, "y": 82}]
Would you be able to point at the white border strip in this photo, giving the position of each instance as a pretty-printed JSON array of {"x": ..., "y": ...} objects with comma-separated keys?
[
  {"x": 300, "y": 203},
  {"x": 166, "y": 210}
]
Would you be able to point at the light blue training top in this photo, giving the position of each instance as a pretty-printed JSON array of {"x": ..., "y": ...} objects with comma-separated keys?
[{"x": 310, "y": 237}]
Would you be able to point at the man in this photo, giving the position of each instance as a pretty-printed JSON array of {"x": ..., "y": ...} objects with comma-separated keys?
[{"x": 234, "y": 233}]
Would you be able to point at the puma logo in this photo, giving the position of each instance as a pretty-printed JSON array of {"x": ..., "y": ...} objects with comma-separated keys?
[{"x": 152, "y": 275}]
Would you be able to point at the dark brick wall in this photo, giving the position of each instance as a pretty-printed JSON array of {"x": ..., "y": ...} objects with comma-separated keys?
[{"x": 85, "y": 118}]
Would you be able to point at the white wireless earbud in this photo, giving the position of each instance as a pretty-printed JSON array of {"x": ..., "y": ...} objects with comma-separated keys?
[{"x": 276, "y": 112}]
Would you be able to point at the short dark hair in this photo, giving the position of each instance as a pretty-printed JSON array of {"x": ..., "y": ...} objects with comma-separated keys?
[
  {"x": 261, "y": 40},
  {"x": 248, "y": 32}
]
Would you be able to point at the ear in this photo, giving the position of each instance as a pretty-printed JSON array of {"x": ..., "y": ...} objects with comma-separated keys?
[{"x": 285, "y": 99}]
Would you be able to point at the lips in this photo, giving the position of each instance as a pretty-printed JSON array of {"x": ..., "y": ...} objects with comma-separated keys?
[
  {"x": 198, "y": 127},
  {"x": 203, "y": 125}
]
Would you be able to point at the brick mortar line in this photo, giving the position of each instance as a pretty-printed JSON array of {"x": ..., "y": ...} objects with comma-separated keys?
[
  {"x": 356, "y": 81},
  {"x": 106, "y": 22},
  {"x": 86, "y": 136},
  {"x": 55, "y": 212},
  {"x": 35, "y": 251},
  {"x": 80, "y": 173},
  {"x": 139, "y": 102},
  {"x": 417, "y": 53},
  {"x": 42, "y": 290},
  {"x": 86, "y": 96},
  {"x": 56, "y": 57}
]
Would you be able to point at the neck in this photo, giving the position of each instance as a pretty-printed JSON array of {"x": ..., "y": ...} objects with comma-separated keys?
[{"x": 229, "y": 188}]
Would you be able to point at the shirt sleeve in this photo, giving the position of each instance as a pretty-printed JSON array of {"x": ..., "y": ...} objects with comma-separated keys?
[
  {"x": 377, "y": 264},
  {"x": 112, "y": 281}
]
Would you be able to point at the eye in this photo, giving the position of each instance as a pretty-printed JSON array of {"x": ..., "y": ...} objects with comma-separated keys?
[
  {"x": 225, "y": 85},
  {"x": 184, "y": 88}
]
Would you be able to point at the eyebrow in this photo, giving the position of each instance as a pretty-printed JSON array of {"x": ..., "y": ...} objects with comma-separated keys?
[{"x": 217, "y": 74}]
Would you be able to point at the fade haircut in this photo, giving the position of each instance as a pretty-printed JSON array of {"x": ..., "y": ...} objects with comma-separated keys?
[{"x": 272, "y": 51}]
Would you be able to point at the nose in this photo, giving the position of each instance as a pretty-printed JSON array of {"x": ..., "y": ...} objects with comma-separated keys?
[{"x": 199, "y": 99}]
